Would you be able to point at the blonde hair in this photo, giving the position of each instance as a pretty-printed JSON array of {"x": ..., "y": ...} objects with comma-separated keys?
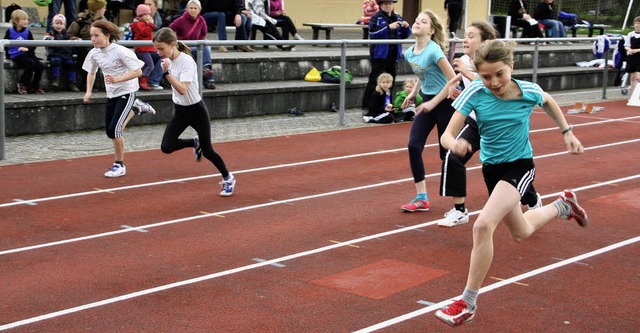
[
  {"x": 439, "y": 37},
  {"x": 195, "y": 2},
  {"x": 495, "y": 51},
  {"x": 487, "y": 30},
  {"x": 382, "y": 78},
  {"x": 409, "y": 81},
  {"x": 17, "y": 15}
]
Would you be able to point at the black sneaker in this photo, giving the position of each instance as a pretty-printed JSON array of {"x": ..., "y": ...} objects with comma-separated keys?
[{"x": 294, "y": 112}]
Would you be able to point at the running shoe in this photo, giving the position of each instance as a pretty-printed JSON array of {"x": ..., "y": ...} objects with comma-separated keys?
[
  {"x": 228, "y": 186},
  {"x": 143, "y": 107},
  {"x": 454, "y": 217},
  {"x": 115, "y": 171},
  {"x": 538, "y": 202},
  {"x": 456, "y": 314},
  {"x": 416, "y": 205},
  {"x": 577, "y": 213},
  {"x": 197, "y": 149}
]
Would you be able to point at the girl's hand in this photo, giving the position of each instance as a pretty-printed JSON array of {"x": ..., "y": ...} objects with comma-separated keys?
[
  {"x": 23, "y": 49},
  {"x": 574, "y": 146},
  {"x": 461, "y": 148},
  {"x": 424, "y": 107},
  {"x": 86, "y": 99},
  {"x": 165, "y": 64},
  {"x": 459, "y": 65},
  {"x": 454, "y": 92},
  {"x": 389, "y": 107},
  {"x": 109, "y": 78},
  {"x": 453, "y": 83}
]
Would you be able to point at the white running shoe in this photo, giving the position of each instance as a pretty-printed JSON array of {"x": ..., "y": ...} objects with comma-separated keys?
[
  {"x": 115, "y": 171},
  {"x": 538, "y": 202},
  {"x": 228, "y": 186},
  {"x": 454, "y": 217},
  {"x": 143, "y": 107}
]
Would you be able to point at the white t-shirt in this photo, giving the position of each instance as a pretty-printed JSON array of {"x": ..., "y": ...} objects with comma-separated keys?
[
  {"x": 184, "y": 68},
  {"x": 115, "y": 60},
  {"x": 467, "y": 61}
]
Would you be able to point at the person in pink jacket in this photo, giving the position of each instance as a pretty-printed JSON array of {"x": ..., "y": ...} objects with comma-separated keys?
[
  {"x": 142, "y": 29},
  {"x": 276, "y": 10},
  {"x": 369, "y": 8},
  {"x": 192, "y": 26}
]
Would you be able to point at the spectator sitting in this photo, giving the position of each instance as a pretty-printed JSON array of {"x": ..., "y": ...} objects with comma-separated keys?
[
  {"x": 265, "y": 23},
  {"x": 142, "y": 29},
  {"x": 276, "y": 10},
  {"x": 160, "y": 21},
  {"x": 61, "y": 56},
  {"x": 81, "y": 28},
  {"x": 235, "y": 14},
  {"x": 192, "y": 26},
  {"x": 216, "y": 19},
  {"x": 24, "y": 57},
  {"x": 409, "y": 112},
  {"x": 158, "y": 15},
  {"x": 380, "y": 107},
  {"x": 369, "y": 8},
  {"x": 520, "y": 17},
  {"x": 70, "y": 12},
  {"x": 546, "y": 15}
]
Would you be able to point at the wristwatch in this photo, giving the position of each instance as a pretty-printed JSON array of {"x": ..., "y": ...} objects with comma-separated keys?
[{"x": 166, "y": 73}]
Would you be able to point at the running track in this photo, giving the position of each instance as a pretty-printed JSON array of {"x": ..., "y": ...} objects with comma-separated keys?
[{"x": 314, "y": 240}]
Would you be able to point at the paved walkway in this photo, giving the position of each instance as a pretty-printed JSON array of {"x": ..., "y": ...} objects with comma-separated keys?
[{"x": 32, "y": 148}]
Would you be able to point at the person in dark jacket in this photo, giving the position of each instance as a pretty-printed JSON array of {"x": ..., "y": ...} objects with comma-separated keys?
[
  {"x": 232, "y": 13},
  {"x": 385, "y": 24},
  {"x": 454, "y": 10},
  {"x": 520, "y": 17},
  {"x": 546, "y": 15}
]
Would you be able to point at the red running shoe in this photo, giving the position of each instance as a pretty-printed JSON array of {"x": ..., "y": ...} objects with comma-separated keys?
[
  {"x": 577, "y": 213},
  {"x": 416, "y": 205},
  {"x": 456, "y": 314}
]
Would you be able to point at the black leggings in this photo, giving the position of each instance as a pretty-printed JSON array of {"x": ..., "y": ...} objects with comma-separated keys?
[
  {"x": 32, "y": 70},
  {"x": 423, "y": 123},
  {"x": 197, "y": 117}
]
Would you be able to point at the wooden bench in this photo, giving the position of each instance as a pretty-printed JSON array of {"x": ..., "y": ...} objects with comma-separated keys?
[{"x": 328, "y": 28}]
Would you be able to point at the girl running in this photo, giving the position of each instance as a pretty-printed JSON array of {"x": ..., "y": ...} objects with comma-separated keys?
[
  {"x": 503, "y": 106},
  {"x": 428, "y": 61},
  {"x": 180, "y": 70},
  {"x": 121, "y": 70}
]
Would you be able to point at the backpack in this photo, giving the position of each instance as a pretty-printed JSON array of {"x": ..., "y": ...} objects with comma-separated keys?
[
  {"x": 332, "y": 75},
  {"x": 9, "y": 10}
]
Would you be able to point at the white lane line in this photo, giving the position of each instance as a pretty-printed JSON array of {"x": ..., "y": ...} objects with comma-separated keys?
[
  {"x": 500, "y": 284},
  {"x": 307, "y": 253},
  {"x": 182, "y": 180},
  {"x": 268, "y": 204}
]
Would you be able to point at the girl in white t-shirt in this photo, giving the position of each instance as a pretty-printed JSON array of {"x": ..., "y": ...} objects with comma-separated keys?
[
  {"x": 181, "y": 72},
  {"x": 121, "y": 70}
]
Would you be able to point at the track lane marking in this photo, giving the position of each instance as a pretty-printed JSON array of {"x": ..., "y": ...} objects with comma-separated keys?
[
  {"x": 182, "y": 180},
  {"x": 273, "y": 203}
]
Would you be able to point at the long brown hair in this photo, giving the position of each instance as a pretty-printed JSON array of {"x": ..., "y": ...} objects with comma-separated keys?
[
  {"x": 108, "y": 28},
  {"x": 167, "y": 35},
  {"x": 439, "y": 37}
]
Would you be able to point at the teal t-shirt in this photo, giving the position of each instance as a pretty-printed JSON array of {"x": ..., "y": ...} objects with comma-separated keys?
[
  {"x": 503, "y": 124},
  {"x": 425, "y": 66}
]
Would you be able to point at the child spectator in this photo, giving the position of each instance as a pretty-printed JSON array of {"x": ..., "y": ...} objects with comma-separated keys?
[
  {"x": 24, "y": 57},
  {"x": 369, "y": 8},
  {"x": 409, "y": 112},
  {"x": 632, "y": 45},
  {"x": 380, "y": 107},
  {"x": 61, "y": 56},
  {"x": 142, "y": 29},
  {"x": 265, "y": 23},
  {"x": 192, "y": 26},
  {"x": 276, "y": 10}
]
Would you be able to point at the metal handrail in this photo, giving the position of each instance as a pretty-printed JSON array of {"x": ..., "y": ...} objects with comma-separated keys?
[{"x": 212, "y": 43}]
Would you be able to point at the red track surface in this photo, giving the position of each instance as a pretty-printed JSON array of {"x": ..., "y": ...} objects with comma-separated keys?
[{"x": 340, "y": 255}]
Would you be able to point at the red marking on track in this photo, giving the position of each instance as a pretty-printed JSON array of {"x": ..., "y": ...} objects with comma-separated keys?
[
  {"x": 381, "y": 279},
  {"x": 629, "y": 198}
]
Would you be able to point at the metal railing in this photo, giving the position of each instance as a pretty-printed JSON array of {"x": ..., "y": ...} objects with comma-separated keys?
[{"x": 343, "y": 44}]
